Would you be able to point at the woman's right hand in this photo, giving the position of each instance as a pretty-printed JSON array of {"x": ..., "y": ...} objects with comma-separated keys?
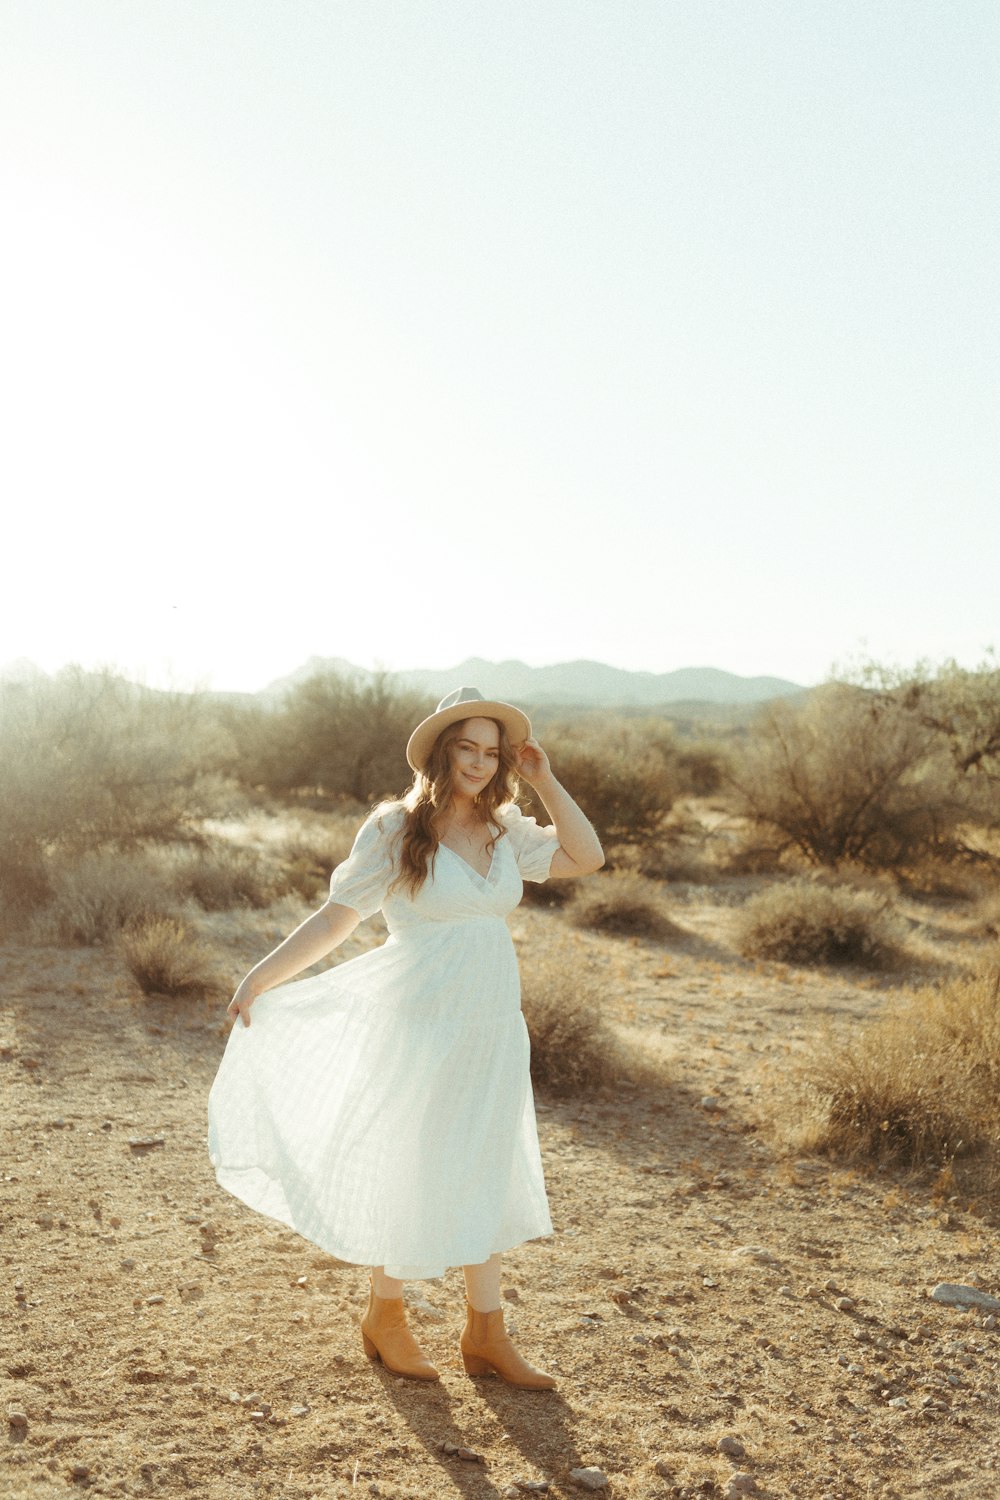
[{"x": 241, "y": 1002}]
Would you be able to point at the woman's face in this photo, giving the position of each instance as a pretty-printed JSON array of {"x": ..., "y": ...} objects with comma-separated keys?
[{"x": 475, "y": 756}]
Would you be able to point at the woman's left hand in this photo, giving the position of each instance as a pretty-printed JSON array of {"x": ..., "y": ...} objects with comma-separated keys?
[{"x": 532, "y": 762}]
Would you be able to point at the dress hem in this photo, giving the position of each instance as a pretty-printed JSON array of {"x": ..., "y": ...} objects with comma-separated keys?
[{"x": 414, "y": 1270}]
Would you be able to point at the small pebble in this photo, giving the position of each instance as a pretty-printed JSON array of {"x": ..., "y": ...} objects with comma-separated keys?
[
  {"x": 589, "y": 1479},
  {"x": 956, "y": 1295},
  {"x": 731, "y": 1446},
  {"x": 712, "y": 1104},
  {"x": 16, "y": 1417},
  {"x": 741, "y": 1484},
  {"x": 845, "y": 1304}
]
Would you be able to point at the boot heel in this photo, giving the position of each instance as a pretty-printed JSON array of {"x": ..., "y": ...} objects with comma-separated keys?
[
  {"x": 370, "y": 1349},
  {"x": 476, "y": 1366}
]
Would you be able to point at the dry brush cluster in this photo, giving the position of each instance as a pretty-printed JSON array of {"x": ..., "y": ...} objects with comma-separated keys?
[{"x": 126, "y": 815}]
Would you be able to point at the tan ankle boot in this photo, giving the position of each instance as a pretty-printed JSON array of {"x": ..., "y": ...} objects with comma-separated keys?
[
  {"x": 386, "y": 1336},
  {"x": 486, "y": 1348}
]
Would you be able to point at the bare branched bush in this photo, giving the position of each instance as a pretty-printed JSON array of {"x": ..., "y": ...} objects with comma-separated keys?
[
  {"x": 103, "y": 893},
  {"x": 852, "y": 775},
  {"x": 961, "y": 705},
  {"x": 574, "y": 1049},
  {"x": 702, "y": 766},
  {"x": 921, "y": 1084},
  {"x": 333, "y": 735},
  {"x": 804, "y": 921},
  {"x": 624, "y": 775},
  {"x": 166, "y": 958},
  {"x": 90, "y": 761},
  {"x": 625, "y": 905}
]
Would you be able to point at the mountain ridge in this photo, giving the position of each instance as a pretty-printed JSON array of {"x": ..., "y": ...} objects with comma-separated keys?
[{"x": 575, "y": 683}]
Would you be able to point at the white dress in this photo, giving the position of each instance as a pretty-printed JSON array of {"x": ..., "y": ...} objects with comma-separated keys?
[{"x": 383, "y": 1109}]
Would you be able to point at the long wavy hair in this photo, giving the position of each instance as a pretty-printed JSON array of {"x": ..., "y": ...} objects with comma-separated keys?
[{"x": 429, "y": 800}]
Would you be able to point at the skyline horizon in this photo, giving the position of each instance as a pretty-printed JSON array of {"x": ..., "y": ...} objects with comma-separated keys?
[{"x": 170, "y": 678}]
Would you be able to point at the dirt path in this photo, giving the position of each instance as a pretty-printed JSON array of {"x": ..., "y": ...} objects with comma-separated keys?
[{"x": 167, "y": 1340}]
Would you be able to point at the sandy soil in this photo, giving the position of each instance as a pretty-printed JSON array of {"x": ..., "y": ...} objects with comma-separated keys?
[{"x": 160, "y": 1338}]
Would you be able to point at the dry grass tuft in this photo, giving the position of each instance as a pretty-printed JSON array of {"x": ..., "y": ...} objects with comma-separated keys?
[
  {"x": 574, "y": 1048},
  {"x": 625, "y": 905},
  {"x": 103, "y": 893},
  {"x": 921, "y": 1086},
  {"x": 804, "y": 921},
  {"x": 165, "y": 958}
]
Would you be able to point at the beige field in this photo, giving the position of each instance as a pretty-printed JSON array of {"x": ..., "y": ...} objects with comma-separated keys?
[{"x": 162, "y": 1339}]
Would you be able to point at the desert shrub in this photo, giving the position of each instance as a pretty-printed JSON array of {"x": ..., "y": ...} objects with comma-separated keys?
[
  {"x": 681, "y": 859},
  {"x": 91, "y": 761},
  {"x": 624, "y": 905},
  {"x": 103, "y": 893},
  {"x": 548, "y": 893},
  {"x": 701, "y": 766},
  {"x": 310, "y": 852},
  {"x": 919, "y": 1085},
  {"x": 961, "y": 705},
  {"x": 574, "y": 1049},
  {"x": 166, "y": 958},
  {"x": 852, "y": 775},
  {"x": 804, "y": 921},
  {"x": 623, "y": 774},
  {"x": 333, "y": 734},
  {"x": 222, "y": 878}
]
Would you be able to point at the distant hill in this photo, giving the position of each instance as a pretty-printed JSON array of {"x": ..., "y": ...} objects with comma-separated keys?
[{"x": 576, "y": 684}]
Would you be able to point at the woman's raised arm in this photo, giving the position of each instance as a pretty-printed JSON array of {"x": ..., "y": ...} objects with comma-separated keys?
[{"x": 579, "y": 851}]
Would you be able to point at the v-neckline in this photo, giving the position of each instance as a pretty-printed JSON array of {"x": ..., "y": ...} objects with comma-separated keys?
[{"x": 472, "y": 868}]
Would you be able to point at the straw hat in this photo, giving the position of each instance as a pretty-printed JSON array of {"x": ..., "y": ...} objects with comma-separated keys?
[{"x": 464, "y": 703}]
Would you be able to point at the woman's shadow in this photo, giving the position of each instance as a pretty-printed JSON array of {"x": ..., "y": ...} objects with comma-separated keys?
[{"x": 537, "y": 1425}]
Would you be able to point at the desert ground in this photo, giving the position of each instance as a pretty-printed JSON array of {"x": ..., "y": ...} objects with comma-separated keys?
[{"x": 708, "y": 1279}]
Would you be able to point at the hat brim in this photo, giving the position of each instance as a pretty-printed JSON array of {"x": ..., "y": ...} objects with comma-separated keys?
[{"x": 421, "y": 741}]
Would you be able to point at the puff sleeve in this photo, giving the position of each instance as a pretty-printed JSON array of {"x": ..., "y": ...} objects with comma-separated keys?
[
  {"x": 533, "y": 846},
  {"x": 363, "y": 878}
]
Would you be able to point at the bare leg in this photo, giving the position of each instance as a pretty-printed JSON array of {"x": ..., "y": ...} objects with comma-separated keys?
[
  {"x": 386, "y": 1286},
  {"x": 482, "y": 1284}
]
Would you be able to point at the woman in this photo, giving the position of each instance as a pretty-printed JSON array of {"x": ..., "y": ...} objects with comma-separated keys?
[{"x": 383, "y": 1109}]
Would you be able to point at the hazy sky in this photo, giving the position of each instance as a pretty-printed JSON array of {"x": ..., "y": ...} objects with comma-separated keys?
[{"x": 663, "y": 333}]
